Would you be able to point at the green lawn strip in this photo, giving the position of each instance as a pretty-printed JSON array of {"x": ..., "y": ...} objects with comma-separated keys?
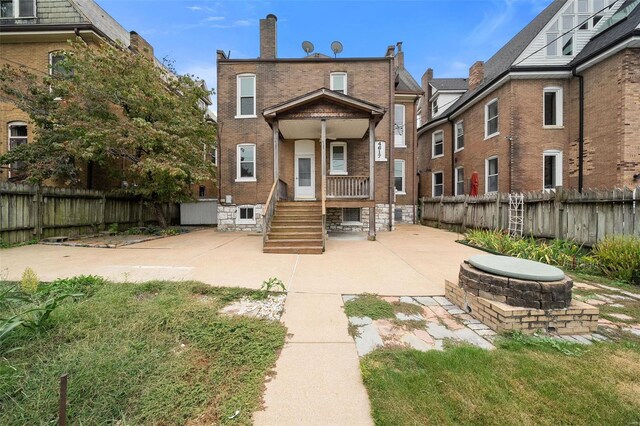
[
  {"x": 599, "y": 279},
  {"x": 516, "y": 384},
  {"x": 153, "y": 353},
  {"x": 631, "y": 308}
]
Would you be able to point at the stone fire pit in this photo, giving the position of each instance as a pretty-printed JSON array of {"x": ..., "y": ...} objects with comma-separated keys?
[{"x": 516, "y": 282}]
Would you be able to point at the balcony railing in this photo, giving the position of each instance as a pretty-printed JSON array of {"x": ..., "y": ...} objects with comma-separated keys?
[{"x": 347, "y": 186}]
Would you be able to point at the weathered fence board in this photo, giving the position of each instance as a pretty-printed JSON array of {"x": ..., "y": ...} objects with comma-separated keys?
[
  {"x": 586, "y": 217},
  {"x": 31, "y": 212}
]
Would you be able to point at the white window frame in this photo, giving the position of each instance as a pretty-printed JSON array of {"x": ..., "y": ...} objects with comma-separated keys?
[
  {"x": 399, "y": 140},
  {"x": 403, "y": 191},
  {"x": 338, "y": 74},
  {"x": 457, "y": 134},
  {"x": 238, "y": 101},
  {"x": 558, "y": 171},
  {"x": 245, "y": 221},
  {"x": 433, "y": 144},
  {"x": 331, "y": 170},
  {"x": 457, "y": 180},
  {"x": 9, "y": 126},
  {"x": 559, "y": 112},
  {"x": 16, "y": 11},
  {"x": 486, "y": 175},
  {"x": 433, "y": 183},
  {"x": 214, "y": 154},
  {"x": 434, "y": 107},
  {"x": 352, "y": 222},
  {"x": 255, "y": 160},
  {"x": 486, "y": 119}
]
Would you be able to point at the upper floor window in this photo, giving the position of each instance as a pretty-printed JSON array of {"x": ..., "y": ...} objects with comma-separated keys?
[
  {"x": 398, "y": 175},
  {"x": 338, "y": 163},
  {"x": 552, "y": 106},
  {"x": 17, "y": 9},
  {"x": 434, "y": 107},
  {"x": 18, "y": 135},
  {"x": 246, "y": 162},
  {"x": 398, "y": 127},
  {"x": 246, "y": 95},
  {"x": 459, "y": 135},
  {"x": 491, "y": 119},
  {"x": 437, "y": 144},
  {"x": 56, "y": 65},
  {"x": 339, "y": 82}
]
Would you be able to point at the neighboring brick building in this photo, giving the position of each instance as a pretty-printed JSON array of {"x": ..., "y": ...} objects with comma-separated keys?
[
  {"x": 523, "y": 122},
  {"x": 350, "y": 109},
  {"x": 32, "y": 34}
]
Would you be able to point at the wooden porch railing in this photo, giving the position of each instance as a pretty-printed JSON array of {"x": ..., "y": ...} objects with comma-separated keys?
[
  {"x": 348, "y": 187},
  {"x": 278, "y": 192}
]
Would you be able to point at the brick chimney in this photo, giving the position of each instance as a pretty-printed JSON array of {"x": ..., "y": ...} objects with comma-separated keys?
[
  {"x": 426, "y": 107},
  {"x": 476, "y": 75},
  {"x": 140, "y": 46},
  {"x": 399, "y": 56},
  {"x": 268, "y": 37}
]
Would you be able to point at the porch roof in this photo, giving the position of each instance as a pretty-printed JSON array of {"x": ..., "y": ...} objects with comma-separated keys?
[{"x": 327, "y": 95}]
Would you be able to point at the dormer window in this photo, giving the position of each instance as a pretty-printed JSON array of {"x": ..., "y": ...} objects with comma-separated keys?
[
  {"x": 339, "y": 82},
  {"x": 13, "y": 9},
  {"x": 434, "y": 107}
]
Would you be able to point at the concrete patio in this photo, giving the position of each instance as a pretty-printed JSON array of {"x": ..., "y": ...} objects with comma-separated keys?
[{"x": 317, "y": 378}]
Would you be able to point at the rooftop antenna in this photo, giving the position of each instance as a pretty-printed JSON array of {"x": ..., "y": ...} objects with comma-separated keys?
[
  {"x": 307, "y": 46},
  {"x": 336, "y": 46}
]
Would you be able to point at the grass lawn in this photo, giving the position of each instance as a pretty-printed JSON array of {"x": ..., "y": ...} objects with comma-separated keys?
[
  {"x": 152, "y": 353},
  {"x": 524, "y": 382}
]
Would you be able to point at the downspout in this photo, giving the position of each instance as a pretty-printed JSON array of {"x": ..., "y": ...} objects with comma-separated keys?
[
  {"x": 415, "y": 160},
  {"x": 218, "y": 160},
  {"x": 580, "y": 130},
  {"x": 453, "y": 160},
  {"x": 392, "y": 122}
]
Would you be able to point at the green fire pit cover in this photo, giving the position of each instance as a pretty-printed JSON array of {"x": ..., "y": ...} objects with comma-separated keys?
[{"x": 514, "y": 267}]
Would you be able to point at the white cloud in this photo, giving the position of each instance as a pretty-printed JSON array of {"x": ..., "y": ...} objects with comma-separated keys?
[
  {"x": 493, "y": 20},
  {"x": 214, "y": 18}
]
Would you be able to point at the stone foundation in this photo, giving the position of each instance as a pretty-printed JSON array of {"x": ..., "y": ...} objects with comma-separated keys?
[
  {"x": 227, "y": 219},
  {"x": 407, "y": 213},
  {"x": 334, "y": 219},
  {"x": 514, "y": 292},
  {"x": 577, "y": 318}
]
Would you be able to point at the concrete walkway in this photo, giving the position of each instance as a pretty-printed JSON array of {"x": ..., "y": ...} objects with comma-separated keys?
[{"x": 317, "y": 378}]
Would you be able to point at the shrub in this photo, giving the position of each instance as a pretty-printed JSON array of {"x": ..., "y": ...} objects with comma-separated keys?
[
  {"x": 368, "y": 305},
  {"x": 618, "y": 257},
  {"x": 85, "y": 284},
  {"x": 29, "y": 282}
]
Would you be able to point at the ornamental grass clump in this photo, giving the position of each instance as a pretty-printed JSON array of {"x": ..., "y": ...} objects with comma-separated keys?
[{"x": 618, "y": 257}]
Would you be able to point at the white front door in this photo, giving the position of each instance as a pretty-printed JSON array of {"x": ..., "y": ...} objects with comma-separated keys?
[{"x": 305, "y": 188}]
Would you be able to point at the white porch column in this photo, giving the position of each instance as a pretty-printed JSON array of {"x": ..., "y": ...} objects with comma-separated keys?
[
  {"x": 276, "y": 151},
  {"x": 372, "y": 179}
]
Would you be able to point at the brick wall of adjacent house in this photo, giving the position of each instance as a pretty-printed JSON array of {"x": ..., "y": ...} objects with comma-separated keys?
[{"x": 281, "y": 80}]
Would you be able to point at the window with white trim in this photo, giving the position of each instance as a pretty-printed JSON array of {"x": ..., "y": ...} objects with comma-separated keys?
[
  {"x": 434, "y": 107},
  {"x": 552, "y": 106},
  {"x": 13, "y": 9},
  {"x": 214, "y": 156},
  {"x": 398, "y": 175},
  {"x": 579, "y": 15},
  {"x": 491, "y": 119},
  {"x": 552, "y": 169},
  {"x": 437, "y": 144},
  {"x": 491, "y": 174},
  {"x": 56, "y": 67},
  {"x": 459, "y": 177},
  {"x": 338, "y": 82},
  {"x": 338, "y": 158},
  {"x": 246, "y": 215},
  {"x": 459, "y": 135},
  {"x": 351, "y": 216},
  {"x": 246, "y": 102},
  {"x": 246, "y": 162},
  {"x": 399, "y": 127},
  {"x": 437, "y": 184},
  {"x": 18, "y": 135}
]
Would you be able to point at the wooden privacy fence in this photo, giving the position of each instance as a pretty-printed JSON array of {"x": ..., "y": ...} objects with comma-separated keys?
[
  {"x": 585, "y": 217},
  {"x": 30, "y": 212}
]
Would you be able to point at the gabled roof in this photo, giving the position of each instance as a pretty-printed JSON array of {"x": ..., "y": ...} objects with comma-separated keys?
[
  {"x": 405, "y": 83},
  {"x": 615, "y": 33},
  {"x": 324, "y": 93},
  {"x": 506, "y": 56},
  {"x": 452, "y": 84},
  {"x": 102, "y": 21}
]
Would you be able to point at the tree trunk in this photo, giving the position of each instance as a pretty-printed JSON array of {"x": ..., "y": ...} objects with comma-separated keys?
[{"x": 162, "y": 220}]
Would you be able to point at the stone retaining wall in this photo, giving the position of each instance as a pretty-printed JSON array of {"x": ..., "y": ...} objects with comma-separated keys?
[
  {"x": 514, "y": 292},
  {"x": 577, "y": 318}
]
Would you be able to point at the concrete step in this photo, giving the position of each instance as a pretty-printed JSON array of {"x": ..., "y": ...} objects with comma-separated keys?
[
  {"x": 295, "y": 235},
  {"x": 293, "y": 243},
  {"x": 293, "y": 250}
]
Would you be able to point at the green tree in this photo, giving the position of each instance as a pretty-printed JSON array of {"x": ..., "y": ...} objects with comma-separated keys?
[{"x": 105, "y": 105}]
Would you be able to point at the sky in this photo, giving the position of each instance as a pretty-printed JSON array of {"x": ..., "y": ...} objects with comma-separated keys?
[{"x": 446, "y": 35}]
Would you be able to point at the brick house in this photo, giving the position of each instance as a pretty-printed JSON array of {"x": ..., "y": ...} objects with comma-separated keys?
[
  {"x": 558, "y": 105},
  {"x": 33, "y": 33},
  {"x": 314, "y": 143}
]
